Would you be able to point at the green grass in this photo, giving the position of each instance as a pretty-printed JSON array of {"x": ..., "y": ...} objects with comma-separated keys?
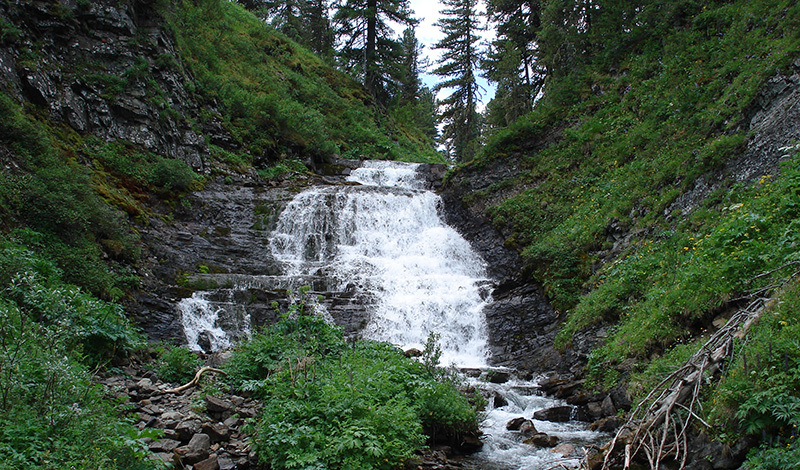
[
  {"x": 614, "y": 142},
  {"x": 279, "y": 100}
]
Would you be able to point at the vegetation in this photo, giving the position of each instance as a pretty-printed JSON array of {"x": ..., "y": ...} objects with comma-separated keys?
[
  {"x": 51, "y": 334},
  {"x": 279, "y": 100},
  {"x": 644, "y": 103},
  {"x": 460, "y": 24},
  {"x": 333, "y": 404}
]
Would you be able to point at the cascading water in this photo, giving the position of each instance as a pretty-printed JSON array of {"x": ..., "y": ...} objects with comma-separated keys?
[
  {"x": 382, "y": 241},
  {"x": 385, "y": 239}
]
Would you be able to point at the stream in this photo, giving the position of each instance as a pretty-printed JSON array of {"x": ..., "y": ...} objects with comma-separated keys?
[{"x": 381, "y": 240}]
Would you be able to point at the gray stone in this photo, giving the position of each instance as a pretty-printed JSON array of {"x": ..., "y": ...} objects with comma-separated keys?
[
  {"x": 557, "y": 414},
  {"x": 608, "y": 407},
  {"x": 186, "y": 429},
  {"x": 200, "y": 442},
  {"x": 211, "y": 463},
  {"x": 164, "y": 445},
  {"x": 542, "y": 440},
  {"x": 218, "y": 405},
  {"x": 218, "y": 432}
]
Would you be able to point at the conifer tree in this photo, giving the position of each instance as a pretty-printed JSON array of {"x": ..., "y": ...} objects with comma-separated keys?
[
  {"x": 512, "y": 61},
  {"x": 369, "y": 49},
  {"x": 457, "y": 67},
  {"x": 306, "y": 21}
]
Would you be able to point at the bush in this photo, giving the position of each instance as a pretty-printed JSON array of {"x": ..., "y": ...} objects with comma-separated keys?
[
  {"x": 51, "y": 414},
  {"x": 173, "y": 175},
  {"x": 177, "y": 364},
  {"x": 330, "y": 404}
]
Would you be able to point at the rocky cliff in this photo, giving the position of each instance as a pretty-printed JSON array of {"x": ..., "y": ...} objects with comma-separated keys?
[{"x": 106, "y": 68}]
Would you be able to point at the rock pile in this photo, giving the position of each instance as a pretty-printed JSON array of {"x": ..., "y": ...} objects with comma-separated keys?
[{"x": 200, "y": 432}]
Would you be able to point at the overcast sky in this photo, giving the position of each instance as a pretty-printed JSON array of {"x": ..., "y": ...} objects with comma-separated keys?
[{"x": 427, "y": 12}]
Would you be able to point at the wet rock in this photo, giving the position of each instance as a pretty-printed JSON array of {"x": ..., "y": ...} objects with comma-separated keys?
[
  {"x": 542, "y": 440},
  {"x": 556, "y": 414},
  {"x": 498, "y": 376},
  {"x": 470, "y": 444},
  {"x": 515, "y": 423},
  {"x": 527, "y": 428},
  {"x": 412, "y": 352},
  {"x": 499, "y": 400},
  {"x": 565, "y": 449},
  {"x": 609, "y": 424}
]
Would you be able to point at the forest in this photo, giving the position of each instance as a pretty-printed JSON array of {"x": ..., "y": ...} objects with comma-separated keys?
[{"x": 641, "y": 157}]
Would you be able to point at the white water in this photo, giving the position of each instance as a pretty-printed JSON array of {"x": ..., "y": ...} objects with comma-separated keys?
[
  {"x": 505, "y": 450},
  {"x": 221, "y": 322},
  {"x": 386, "y": 238}
]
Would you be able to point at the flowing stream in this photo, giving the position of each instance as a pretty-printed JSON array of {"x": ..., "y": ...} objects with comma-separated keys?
[{"x": 383, "y": 239}]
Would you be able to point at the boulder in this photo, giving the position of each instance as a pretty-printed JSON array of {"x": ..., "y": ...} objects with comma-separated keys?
[
  {"x": 164, "y": 445},
  {"x": 564, "y": 449},
  {"x": 527, "y": 428},
  {"x": 499, "y": 400},
  {"x": 211, "y": 463},
  {"x": 608, "y": 407},
  {"x": 412, "y": 352},
  {"x": 219, "y": 406},
  {"x": 186, "y": 429},
  {"x": 541, "y": 439},
  {"x": 609, "y": 424},
  {"x": 556, "y": 414},
  {"x": 515, "y": 423},
  {"x": 498, "y": 377},
  {"x": 218, "y": 432}
]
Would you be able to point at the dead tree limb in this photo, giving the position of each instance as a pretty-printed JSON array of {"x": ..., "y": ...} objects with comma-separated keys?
[
  {"x": 196, "y": 379},
  {"x": 658, "y": 427}
]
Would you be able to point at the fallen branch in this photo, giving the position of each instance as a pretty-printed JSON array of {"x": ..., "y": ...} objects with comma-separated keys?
[
  {"x": 658, "y": 426},
  {"x": 196, "y": 379}
]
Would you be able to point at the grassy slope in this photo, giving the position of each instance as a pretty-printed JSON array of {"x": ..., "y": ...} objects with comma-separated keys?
[
  {"x": 620, "y": 147},
  {"x": 281, "y": 100}
]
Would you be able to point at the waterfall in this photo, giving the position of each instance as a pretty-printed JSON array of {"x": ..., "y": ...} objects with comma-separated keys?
[
  {"x": 382, "y": 240},
  {"x": 385, "y": 238}
]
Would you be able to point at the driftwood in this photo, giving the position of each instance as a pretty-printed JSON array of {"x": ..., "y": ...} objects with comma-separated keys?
[
  {"x": 196, "y": 379},
  {"x": 658, "y": 426}
]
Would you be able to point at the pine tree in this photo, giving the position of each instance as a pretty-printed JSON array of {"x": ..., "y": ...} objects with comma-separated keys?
[
  {"x": 512, "y": 61},
  {"x": 414, "y": 104},
  {"x": 457, "y": 67},
  {"x": 368, "y": 49},
  {"x": 306, "y": 21}
]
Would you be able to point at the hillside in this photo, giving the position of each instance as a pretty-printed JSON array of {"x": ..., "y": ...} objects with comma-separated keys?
[
  {"x": 113, "y": 115},
  {"x": 653, "y": 193}
]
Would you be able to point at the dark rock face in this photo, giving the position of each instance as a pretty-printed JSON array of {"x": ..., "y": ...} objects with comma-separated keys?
[{"x": 107, "y": 68}]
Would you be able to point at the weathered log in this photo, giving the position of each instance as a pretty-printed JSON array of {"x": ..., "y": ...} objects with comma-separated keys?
[{"x": 196, "y": 379}]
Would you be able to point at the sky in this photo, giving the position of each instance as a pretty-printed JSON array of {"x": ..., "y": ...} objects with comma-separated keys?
[{"x": 427, "y": 12}]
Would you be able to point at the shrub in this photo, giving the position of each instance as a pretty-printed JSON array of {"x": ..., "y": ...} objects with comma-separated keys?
[
  {"x": 177, "y": 364},
  {"x": 173, "y": 175},
  {"x": 330, "y": 404}
]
